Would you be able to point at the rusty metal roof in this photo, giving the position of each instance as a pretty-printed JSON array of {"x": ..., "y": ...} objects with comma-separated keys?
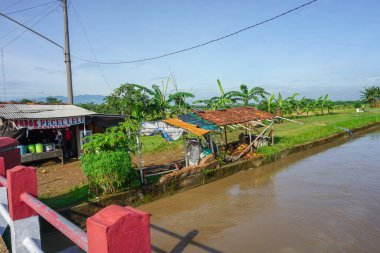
[
  {"x": 189, "y": 127},
  {"x": 232, "y": 116},
  {"x": 35, "y": 111}
]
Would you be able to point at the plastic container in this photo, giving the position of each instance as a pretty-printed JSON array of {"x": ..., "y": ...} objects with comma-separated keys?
[
  {"x": 48, "y": 147},
  {"x": 39, "y": 148},
  {"x": 32, "y": 148},
  {"x": 23, "y": 149}
]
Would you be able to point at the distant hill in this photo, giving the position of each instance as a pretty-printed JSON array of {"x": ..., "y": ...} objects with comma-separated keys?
[{"x": 80, "y": 99}]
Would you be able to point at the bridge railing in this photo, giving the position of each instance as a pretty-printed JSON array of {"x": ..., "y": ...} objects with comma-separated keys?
[{"x": 112, "y": 229}]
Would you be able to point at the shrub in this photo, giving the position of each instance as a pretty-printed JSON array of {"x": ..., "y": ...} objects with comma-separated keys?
[
  {"x": 108, "y": 171},
  {"x": 107, "y": 159}
]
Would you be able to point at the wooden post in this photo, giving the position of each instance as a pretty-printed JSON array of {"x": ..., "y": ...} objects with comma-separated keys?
[
  {"x": 250, "y": 140},
  {"x": 140, "y": 160},
  {"x": 225, "y": 136},
  {"x": 184, "y": 145},
  {"x": 273, "y": 134}
]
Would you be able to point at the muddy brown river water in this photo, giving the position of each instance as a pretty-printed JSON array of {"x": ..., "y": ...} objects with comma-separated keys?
[
  {"x": 326, "y": 199},
  {"x": 327, "y": 202}
]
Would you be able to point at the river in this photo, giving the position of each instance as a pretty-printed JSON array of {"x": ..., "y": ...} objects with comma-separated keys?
[
  {"x": 325, "y": 199},
  {"x": 322, "y": 200}
]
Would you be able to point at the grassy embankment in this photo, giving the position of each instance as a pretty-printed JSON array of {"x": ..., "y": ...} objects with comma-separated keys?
[{"x": 288, "y": 135}]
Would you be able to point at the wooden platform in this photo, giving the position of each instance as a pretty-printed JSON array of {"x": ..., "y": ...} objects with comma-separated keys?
[{"x": 31, "y": 157}]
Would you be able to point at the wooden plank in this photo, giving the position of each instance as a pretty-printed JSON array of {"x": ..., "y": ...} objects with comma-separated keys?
[{"x": 31, "y": 157}]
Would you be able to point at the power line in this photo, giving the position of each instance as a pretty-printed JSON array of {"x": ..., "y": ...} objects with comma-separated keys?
[
  {"x": 33, "y": 31},
  {"x": 26, "y": 22},
  {"x": 38, "y": 21},
  {"x": 171, "y": 53},
  {"x": 30, "y": 8},
  {"x": 202, "y": 44},
  {"x": 14, "y": 4},
  {"x": 89, "y": 45}
]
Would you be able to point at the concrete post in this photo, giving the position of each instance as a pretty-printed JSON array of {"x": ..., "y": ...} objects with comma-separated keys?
[
  {"x": 117, "y": 229},
  {"x": 24, "y": 222}
]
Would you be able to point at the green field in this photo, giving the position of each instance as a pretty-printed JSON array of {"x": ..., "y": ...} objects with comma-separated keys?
[{"x": 288, "y": 134}]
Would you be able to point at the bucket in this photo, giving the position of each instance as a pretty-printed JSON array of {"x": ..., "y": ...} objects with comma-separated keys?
[
  {"x": 23, "y": 149},
  {"x": 39, "y": 148},
  {"x": 48, "y": 147},
  {"x": 32, "y": 148}
]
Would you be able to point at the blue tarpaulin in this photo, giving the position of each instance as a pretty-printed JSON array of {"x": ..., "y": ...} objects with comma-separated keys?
[{"x": 194, "y": 119}]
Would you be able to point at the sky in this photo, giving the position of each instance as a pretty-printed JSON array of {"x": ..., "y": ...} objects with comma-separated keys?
[{"x": 329, "y": 47}]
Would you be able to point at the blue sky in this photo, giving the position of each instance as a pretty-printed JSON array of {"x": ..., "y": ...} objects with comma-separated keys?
[{"x": 331, "y": 46}]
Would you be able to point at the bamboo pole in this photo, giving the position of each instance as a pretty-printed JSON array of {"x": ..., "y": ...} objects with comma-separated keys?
[
  {"x": 250, "y": 145},
  {"x": 184, "y": 144},
  {"x": 225, "y": 135}
]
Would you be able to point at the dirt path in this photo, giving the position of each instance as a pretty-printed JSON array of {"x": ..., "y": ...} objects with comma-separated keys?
[{"x": 54, "y": 179}]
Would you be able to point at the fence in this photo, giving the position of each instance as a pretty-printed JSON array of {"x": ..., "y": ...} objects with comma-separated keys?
[{"x": 113, "y": 229}]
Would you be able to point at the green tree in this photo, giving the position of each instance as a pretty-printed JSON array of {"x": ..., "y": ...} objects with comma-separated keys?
[
  {"x": 99, "y": 108},
  {"x": 210, "y": 103},
  {"x": 53, "y": 100},
  {"x": 371, "y": 95},
  {"x": 179, "y": 100},
  {"x": 245, "y": 95},
  {"x": 129, "y": 99},
  {"x": 26, "y": 101}
]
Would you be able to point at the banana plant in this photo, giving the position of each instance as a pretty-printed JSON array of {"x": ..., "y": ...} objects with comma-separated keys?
[
  {"x": 245, "y": 94},
  {"x": 307, "y": 105},
  {"x": 224, "y": 101},
  {"x": 324, "y": 101},
  {"x": 292, "y": 104}
]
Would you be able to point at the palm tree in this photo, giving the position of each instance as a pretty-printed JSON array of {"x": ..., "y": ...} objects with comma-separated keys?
[
  {"x": 371, "y": 95},
  {"x": 245, "y": 95},
  {"x": 159, "y": 100}
]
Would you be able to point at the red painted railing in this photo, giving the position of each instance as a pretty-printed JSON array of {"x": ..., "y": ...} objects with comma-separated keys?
[{"x": 112, "y": 229}]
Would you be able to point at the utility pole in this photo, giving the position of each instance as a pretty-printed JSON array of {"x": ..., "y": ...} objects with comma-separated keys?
[{"x": 70, "y": 98}]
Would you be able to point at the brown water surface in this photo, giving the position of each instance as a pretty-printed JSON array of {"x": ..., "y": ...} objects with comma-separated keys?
[{"x": 327, "y": 202}]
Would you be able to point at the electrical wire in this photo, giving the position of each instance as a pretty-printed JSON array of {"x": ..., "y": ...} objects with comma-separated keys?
[
  {"x": 14, "y": 4},
  {"x": 28, "y": 29},
  {"x": 202, "y": 44},
  {"x": 26, "y": 22},
  {"x": 89, "y": 45},
  {"x": 171, "y": 53},
  {"x": 30, "y": 8}
]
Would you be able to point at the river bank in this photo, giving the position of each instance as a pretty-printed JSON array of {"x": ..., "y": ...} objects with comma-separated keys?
[{"x": 150, "y": 193}]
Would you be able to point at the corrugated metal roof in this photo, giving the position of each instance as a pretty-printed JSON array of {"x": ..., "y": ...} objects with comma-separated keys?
[
  {"x": 27, "y": 111},
  {"x": 232, "y": 116},
  {"x": 189, "y": 127}
]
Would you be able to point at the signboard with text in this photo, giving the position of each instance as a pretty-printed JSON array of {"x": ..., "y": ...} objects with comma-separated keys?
[{"x": 49, "y": 123}]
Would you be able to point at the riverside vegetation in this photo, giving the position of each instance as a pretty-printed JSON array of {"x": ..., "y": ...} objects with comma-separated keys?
[{"x": 107, "y": 160}]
